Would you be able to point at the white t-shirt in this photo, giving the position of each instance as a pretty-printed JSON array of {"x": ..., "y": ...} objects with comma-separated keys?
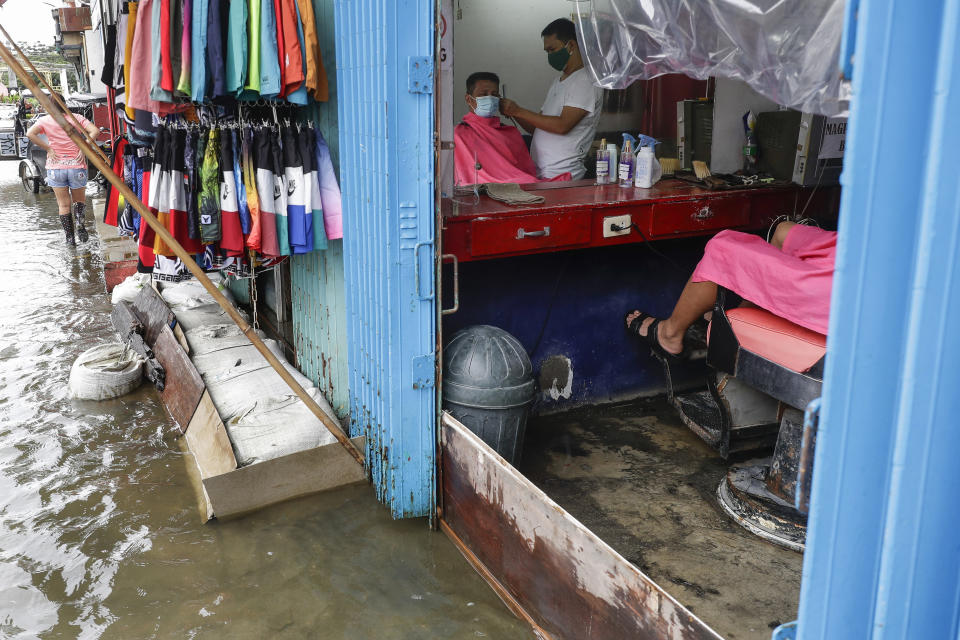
[{"x": 553, "y": 153}]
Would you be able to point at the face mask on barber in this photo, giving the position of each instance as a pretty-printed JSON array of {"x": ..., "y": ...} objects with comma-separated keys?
[
  {"x": 558, "y": 59},
  {"x": 487, "y": 106}
]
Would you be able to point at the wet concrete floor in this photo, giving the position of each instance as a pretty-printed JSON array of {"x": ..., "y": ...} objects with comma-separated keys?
[
  {"x": 646, "y": 485},
  {"x": 99, "y": 531}
]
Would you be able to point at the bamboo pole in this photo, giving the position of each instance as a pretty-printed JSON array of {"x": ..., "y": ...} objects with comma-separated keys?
[
  {"x": 60, "y": 103},
  {"x": 188, "y": 261}
]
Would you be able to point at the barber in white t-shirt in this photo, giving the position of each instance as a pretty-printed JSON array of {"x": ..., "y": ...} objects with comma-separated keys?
[{"x": 563, "y": 130}]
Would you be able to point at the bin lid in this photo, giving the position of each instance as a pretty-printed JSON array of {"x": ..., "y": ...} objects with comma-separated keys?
[{"x": 486, "y": 357}]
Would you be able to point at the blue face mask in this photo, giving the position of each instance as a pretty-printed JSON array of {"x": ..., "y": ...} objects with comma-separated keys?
[{"x": 487, "y": 106}]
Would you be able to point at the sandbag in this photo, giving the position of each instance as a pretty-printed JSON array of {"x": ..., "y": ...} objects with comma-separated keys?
[
  {"x": 190, "y": 293},
  {"x": 234, "y": 391},
  {"x": 128, "y": 290},
  {"x": 216, "y": 337},
  {"x": 105, "y": 371},
  {"x": 204, "y": 315},
  {"x": 277, "y": 426}
]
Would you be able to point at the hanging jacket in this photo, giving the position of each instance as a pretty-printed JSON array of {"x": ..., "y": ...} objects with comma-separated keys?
[
  {"x": 232, "y": 234},
  {"x": 128, "y": 56},
  {"x": 160, "y": 186},
  {"x": 178, "y": 194},
  {"x": 198, "y": 50},
  {"x": 329, "y": 190},
  {"x": 217, "y": 16},
  {"x": 112, "y": 208},
  {"x": 193, "y": 154},
  {"x": 183, "y": 84},
  {"x": 316, "y": 75},
  {"x": 268, "y": 191},
  {"x": 146, "y": 237},
  {"x": 243, "y": 209},
  {"x": 291, "y": 51},
  {"x": 298, "y": 193},
  {"x": 254, "y": 235},
  {"x": 278, "y": 25},
  {"x": 237, "y": 47},
  {"x": 252, "y": 87},
  {"x": 269, "y": 57},
  {"x": 209, "y": 203},
  {"x": 316, "y": 233},
  {"x": 298, "y": 94},
  {"x": 176, "y": 42},
  {"x": 280, "y": 195}
]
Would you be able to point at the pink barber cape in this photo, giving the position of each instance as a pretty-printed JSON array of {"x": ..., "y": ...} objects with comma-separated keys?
[{"x": 500, "y": 152}]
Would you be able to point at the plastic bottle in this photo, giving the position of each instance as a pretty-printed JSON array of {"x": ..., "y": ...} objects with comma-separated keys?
[
  {"x": 625, "y": 168},
  {"x": 647, "y": 169},
  {"x": 603, "y": 163},
  {"x": 750, "y": 160}
]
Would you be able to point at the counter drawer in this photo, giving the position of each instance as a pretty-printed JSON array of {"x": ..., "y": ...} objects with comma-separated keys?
[
  {"x": 520, "y": 234},
  {"x": 694, "y": 216}
]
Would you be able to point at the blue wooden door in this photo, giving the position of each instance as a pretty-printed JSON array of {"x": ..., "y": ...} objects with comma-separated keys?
[{"x": 385, "y": 51}]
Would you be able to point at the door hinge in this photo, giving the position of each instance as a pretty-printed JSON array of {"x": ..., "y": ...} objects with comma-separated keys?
[
  {"x": 424, "y": 371},
  {"x": 420, "y": 74}
]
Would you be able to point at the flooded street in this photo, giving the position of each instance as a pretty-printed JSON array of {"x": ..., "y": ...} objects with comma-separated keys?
[{"x": 100, "y": 536}]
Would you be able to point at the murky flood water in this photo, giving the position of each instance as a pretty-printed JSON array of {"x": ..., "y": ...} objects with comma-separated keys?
[{"x": 100, "y": 535}]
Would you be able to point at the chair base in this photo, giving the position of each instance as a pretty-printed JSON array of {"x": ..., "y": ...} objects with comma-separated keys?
[{"x": 744, "y": 496}]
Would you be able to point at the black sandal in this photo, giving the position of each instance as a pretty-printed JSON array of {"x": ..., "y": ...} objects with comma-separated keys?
[{"x": 651, "y": 337}]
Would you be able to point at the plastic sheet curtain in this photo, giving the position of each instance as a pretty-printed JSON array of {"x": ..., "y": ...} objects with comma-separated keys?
[{"x": 785, "y": 50}]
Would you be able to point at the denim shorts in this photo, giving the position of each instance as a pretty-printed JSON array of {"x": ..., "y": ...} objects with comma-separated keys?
[{"x": 73, "y": 178}]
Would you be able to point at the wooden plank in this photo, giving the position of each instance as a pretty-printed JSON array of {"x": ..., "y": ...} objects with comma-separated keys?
[
  {"x": 571, "y": 583},
  {"x": 153, "y": 313},
  {"x": 291, "y": 476},
  {"x": 183, "y": 384},
  {"x": 208, "y": 440},
  {"x": 196, "y": 480}
]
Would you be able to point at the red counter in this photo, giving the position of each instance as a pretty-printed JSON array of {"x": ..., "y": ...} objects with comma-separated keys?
[{"x": 575, "y": 215}]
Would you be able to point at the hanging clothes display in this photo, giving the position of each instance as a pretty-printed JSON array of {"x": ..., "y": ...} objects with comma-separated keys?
[{"x": 247, "y": 179}]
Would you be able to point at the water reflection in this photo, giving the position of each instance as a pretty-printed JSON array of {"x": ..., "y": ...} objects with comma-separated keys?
[{"x": 99, "y": 531}]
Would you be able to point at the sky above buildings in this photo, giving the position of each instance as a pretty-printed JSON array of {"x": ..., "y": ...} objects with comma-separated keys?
[{"x": 29, "y": 21}]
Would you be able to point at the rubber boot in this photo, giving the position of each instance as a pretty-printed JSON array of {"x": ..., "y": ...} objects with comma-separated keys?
[
  {"x": 67, "y": 223},
  {"x": 78, "y": 211}
]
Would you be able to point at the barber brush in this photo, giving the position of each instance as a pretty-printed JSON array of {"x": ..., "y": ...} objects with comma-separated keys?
[
  {"x": 701, "y": 169},
  {"x": 669, "y": 166}
]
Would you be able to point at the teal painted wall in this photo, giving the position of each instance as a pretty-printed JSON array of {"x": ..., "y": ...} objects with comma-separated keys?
[{"x": 319, "y": 306}]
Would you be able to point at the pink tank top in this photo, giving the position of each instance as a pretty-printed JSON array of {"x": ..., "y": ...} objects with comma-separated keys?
[{"x": 64, "y": 153}]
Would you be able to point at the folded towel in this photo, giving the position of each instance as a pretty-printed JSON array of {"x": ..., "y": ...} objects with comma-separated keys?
[{"x": 510, "y": 193}]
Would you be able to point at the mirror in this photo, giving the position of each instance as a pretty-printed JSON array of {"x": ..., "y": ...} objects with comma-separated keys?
[{"x": 503, "y": 37}]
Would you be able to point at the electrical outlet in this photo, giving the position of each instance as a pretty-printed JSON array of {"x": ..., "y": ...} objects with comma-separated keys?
[{"x": 616, "y": 226}]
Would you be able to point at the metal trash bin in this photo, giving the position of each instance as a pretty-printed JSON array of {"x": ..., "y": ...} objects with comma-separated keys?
[{"x": 488, "y": 386}]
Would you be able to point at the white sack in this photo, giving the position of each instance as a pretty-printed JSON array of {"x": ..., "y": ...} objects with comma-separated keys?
[
  {"x": 278, "y": 426},
  {"x": 204, "y": 315},
  {"x": 215, "y": 337},
  {"x": 105, "y": 371},
  {"x": 128, "y": 290},
  {"x": 191, "y": 293}
]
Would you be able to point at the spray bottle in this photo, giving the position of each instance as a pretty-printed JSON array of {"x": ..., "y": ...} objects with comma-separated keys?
[
  {"x": 603, "y": 163},
  {"x": 647, "y": 170},
  {"x": 627, "y": 160}
]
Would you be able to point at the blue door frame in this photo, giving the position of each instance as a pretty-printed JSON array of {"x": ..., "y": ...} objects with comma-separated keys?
[
  {"x": 883, "y": 552},
  {"x": 385, "y": 51}
]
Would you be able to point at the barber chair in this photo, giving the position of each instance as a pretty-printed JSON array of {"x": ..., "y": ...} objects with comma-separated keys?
[{"x": 762, "y": 373}]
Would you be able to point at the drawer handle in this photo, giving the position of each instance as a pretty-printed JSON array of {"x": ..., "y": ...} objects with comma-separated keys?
[
  {"x": 521, "y": 233},
  {"x": 704, "y": 213}
]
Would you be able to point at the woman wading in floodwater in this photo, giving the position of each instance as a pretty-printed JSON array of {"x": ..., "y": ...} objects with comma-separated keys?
[{"x": 66, "y": 171}]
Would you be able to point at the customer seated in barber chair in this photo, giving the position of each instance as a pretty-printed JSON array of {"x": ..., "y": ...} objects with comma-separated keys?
[
  {"x": 485, "y": 149},
  {"x": 791, "y": 277}
]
